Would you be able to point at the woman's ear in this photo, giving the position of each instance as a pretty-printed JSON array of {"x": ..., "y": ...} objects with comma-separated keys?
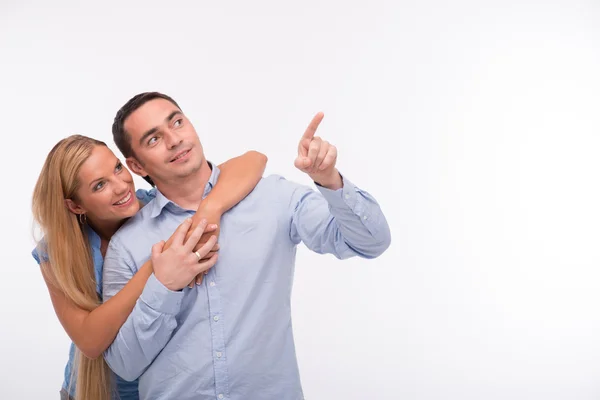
[
  {"x": 74, "y": 207},
  {"x": 135, "y": 166}
]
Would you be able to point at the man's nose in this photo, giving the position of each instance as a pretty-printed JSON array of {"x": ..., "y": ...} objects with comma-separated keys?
[{"x": 172, "y": 140}]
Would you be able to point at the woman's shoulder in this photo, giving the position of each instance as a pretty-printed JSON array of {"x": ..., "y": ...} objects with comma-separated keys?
[
  {"x": 145, "y": 196},
  {"x": 40, "y": 252}
]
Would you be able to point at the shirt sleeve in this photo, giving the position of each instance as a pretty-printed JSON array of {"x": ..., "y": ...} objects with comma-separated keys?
[
  {"x": 145, "y": 196},
  {"x": 346, "y": 222},
  {"x": 150, "y": 325},
  {"x": 39, "y": 253}
]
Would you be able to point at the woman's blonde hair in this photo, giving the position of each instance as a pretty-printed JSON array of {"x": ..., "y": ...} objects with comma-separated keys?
[{"x": 70, "y": 267}]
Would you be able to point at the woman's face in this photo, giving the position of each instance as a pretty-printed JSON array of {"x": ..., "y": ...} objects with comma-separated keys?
[{"x": 106, "y": 192}]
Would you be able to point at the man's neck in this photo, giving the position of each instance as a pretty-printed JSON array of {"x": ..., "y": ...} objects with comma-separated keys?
[{"x": 187, "y": 192}]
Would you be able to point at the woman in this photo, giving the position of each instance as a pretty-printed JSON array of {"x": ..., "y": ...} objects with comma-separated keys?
[{"x": 82, "y": 196}]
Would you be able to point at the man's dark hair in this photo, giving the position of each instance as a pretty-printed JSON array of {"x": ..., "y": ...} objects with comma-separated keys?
[{"x": 120, "y": 136}]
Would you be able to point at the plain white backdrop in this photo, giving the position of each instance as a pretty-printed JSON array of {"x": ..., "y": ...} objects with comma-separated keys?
[{"x": 474, "y": 123}]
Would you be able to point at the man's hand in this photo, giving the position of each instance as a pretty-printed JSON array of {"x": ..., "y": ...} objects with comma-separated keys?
[
  {"x": 213, "y": 217},
  {"x": 317, "y": 157},
  {"x": 178, "y": 265}
]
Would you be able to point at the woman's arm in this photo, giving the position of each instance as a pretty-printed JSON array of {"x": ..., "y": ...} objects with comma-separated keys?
[
  {"x": 93, "y": 331},
  {"x": 238, "y": 177}
]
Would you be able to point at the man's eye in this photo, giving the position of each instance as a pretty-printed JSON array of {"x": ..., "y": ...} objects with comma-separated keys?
[
  {"x": 177, "y": 123},
  {"x": 152, "y": 140}
]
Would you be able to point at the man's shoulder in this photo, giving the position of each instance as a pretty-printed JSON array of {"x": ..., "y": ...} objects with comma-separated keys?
[
  {"x": 277, "y": 189},
  {"x": 270, "y": 181},
  {"x": 280, "y": 183},
  {"x": 273, "y": 186}
]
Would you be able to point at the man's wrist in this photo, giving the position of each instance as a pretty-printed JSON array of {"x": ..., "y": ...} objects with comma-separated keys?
[
  {"x": 332, "y": 182},
  {"x": 158, "y": 297}
]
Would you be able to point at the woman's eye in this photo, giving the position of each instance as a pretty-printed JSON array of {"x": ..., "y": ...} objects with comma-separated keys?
[
  {"x": 119, "y": 167},
  {"x": 99, "y": 186}
]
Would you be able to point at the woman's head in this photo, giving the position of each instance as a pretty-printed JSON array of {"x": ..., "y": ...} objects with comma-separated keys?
[{"x": 95, "y": 186}]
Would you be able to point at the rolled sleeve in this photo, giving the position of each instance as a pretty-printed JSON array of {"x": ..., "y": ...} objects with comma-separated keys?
[
  {"x": 345, "y": 222},
  {"x": 340, "y": 198},
  {"x": 151, "y": 323},
  {"x": 350, "y": 203},
  {"x": 161, "y": 299}
]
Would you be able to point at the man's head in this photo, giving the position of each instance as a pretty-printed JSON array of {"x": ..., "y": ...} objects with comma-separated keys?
[{"x": 156, "y": 138}]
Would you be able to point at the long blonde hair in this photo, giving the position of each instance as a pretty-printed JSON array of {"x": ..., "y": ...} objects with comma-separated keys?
[{"x": 70, "y": 268}]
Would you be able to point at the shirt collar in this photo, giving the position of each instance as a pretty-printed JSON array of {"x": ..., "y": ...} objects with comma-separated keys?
[
  {"x": 93, "y": 237},
  {"x": 160, "y": 202}
]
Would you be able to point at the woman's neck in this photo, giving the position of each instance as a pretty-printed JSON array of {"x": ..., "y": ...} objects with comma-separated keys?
[{"x": 106, "y": 229}]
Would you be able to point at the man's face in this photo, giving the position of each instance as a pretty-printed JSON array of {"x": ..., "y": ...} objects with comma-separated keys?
[{"x": 165, "y": 143}]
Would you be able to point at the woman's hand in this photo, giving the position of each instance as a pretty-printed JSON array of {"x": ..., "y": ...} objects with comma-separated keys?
[
  {"x": 175, "y": 266},
  {"x": 213, "y": 217}
]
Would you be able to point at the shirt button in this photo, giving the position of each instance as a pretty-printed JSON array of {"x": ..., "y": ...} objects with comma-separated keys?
[
  {"x": 216, "y": 317},
  {"x": 365, "y": 217},
  {"x": 219, "y": 354},
  {"x": 220, "y": 396},
  {"x": 212, "y": 283},
  {"x": 347, "y": 196}
]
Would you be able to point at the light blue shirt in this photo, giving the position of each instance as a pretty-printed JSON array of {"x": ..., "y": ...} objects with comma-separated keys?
[
  {"x": 127, "y": 390},
  {"x": 231, "y": 337}
]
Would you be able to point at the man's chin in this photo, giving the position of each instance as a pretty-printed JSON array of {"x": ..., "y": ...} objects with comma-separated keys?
[{"x": 187, "y": 170}]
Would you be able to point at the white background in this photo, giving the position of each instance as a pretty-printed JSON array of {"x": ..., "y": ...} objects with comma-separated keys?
[{"x": 474, "y": 123}]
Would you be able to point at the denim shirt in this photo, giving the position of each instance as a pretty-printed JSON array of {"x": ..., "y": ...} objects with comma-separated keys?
[
  {"x": 126, "y": 390},
  {"x": 231, "y": 337}
]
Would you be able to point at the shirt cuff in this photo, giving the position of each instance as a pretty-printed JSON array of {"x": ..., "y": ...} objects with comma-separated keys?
[
  {"x": 159, "y": 298},
  {"x": 346, "y": 197}
]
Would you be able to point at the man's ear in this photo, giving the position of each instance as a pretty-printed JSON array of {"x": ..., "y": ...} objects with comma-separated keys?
[
  {"x": 135, "y": 166},
  {"x": 74, "y": 207}
]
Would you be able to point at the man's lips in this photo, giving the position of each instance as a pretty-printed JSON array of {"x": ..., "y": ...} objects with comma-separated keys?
[{"x": 180, "y": 155}]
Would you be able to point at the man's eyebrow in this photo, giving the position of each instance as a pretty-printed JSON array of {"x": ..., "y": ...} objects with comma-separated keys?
[
  {"x": 174, "y": 113},
  {"x": 152, "y": 131},
  {"x": 148, "y": 133}
]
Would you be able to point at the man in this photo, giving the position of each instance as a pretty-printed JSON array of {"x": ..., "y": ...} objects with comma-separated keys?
[{"x": 230, "y": 337}]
